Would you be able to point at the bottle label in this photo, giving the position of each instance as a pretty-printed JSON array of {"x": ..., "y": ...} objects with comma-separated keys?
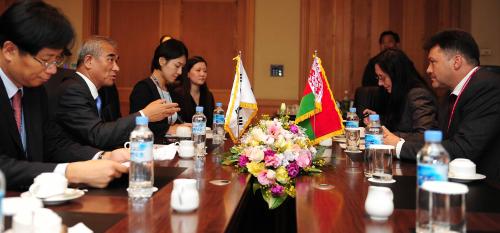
[
  {"x": 141, "y": 151},
  {"x": 373, "y": 139},
  {"x": 351, "y": 124},
  {"x": 437, "y": 172},
  {"x": 218, "y": 119},
  {"x": 199, "y": 127}
]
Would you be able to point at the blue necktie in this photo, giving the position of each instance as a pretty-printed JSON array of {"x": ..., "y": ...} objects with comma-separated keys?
[{"x": 98, "y": 103}]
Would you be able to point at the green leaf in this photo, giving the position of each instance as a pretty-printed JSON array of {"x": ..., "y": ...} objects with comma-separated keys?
[
  {"x": 272, "y": 201},
  {"x": 314, "y": 170},
  {"x": 256, "y": 186}
]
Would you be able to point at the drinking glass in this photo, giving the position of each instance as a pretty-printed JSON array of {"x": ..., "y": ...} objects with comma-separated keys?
[
  {"x": 382, "y": 162},
  {"x": 352, "y": 139}
]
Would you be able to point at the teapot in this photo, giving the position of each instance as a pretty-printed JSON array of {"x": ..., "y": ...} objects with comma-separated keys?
[
  {"x": 185, "y": 197},
  {"x": 378, "y": 204}
]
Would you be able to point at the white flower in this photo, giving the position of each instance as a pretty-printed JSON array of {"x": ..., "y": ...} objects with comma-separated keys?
[
  {"x": 256, "y": 154},
  {"x": 271, "y": 174}
]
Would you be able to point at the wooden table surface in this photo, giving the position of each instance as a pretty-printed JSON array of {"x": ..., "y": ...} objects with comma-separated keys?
[
  {"x": 341, "y": 208},
  {"x": 338, "y": 209}
]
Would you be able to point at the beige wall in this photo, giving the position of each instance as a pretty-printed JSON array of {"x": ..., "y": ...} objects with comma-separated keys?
[
  {"x": 74, "y": 11},
  {"x": 485, "y": 27},
  {"x": 277, "y": 28}
]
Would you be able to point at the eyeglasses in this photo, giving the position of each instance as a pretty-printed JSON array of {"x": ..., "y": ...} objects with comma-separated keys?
[{"x": 58, "y": 62}]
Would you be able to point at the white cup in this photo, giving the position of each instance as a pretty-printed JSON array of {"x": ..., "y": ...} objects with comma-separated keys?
[
  {"x": 48, "y": 184},
  {"x": 462, "y": 168},
  {"x": 46, "y": 221},
  {"x": 186, "y": 149},
  {"x": 185, "y": 197},
  {"x": 22, "y": 222},
  {"x": 183, "y": 131}
]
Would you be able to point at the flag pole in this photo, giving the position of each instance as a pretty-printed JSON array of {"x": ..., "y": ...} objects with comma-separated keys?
[{"x": 239, "y": 94}]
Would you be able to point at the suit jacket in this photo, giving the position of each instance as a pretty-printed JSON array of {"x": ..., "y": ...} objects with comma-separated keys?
[
  {"x": 188, "y": 105},
  {"x": 45, "y": 141},
  {"x": 145, "y": 92},
  {"x": 77, "y": 114},
  {"x": 474, "y": 132},
  {"x": 420, "y": 113}
]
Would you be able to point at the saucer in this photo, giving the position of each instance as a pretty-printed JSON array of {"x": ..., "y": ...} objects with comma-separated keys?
[
  {"x": 373, "y": 180},
  {"x": 69, "y": 194},
  {"x": 476, "y": 176}
]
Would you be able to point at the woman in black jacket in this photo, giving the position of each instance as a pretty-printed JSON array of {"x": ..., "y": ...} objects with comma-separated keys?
[
  {"x": 168, "y": 60},
  {"x": 411, "y": 106}
]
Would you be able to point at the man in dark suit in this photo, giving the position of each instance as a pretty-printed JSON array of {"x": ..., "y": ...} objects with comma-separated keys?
[
  {"x": 84, "y": 114},
  {"x": 470, "y": 121},
  {"x": 33, "y": 36}
]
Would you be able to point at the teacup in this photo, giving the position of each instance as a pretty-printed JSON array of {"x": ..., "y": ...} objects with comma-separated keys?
[
  {"x": 48, "y": 184},
  {"x": 183, "y": 131},
  {"x": 40, "y": 220},
  {"x": 462, "y": 168},
  {"x": 186, "y": 149}
]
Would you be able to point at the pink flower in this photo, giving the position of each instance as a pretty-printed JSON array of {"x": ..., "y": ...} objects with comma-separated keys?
[
  {"x": 243, "y": 160},
  {"x": 277, "y": 190},
  {"x": 293, "y": 169},
  {"x": 264, "y": 178},
  {"x": 273, "y": 130},
  {"x": 304, "y": 158},
  {"x": 271, "y": 159},
  {"x": 294, "y": 129}
]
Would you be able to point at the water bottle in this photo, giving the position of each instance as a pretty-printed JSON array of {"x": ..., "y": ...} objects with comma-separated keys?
[
  {"x": 218, "y": 125},
  {"x": 199, "y": 131},
  {"x": 352, "y": 120},
  {"x": 373, "y": 135},
  {"x": 432, "y": 164},
  {"x": 2, "y": 194},
  {"x": 141, "y": 173}
]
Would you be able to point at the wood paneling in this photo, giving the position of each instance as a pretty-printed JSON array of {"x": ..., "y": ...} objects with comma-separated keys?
[{"x": 345, "y": 33}]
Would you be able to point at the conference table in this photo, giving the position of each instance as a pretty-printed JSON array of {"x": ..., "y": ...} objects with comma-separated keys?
[{"x": 332, "y": 201}]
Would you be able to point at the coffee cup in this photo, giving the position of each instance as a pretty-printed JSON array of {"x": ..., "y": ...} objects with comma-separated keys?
[
  {"x": 462, "y": 168},
  {"x": 183, "y": 131},
  {"x": 186, "y": 149},
  {"x": 40, "y": 220},
  {"x": 185, "y": 197},
  {"x": 48, "y": 184}
]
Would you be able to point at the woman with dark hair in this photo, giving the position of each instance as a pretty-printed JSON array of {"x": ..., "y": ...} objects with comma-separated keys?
[
  {"x": 411, "y": 105},
  {"x": 168, "y": 60},
  {"x": 194, "y": 90}
]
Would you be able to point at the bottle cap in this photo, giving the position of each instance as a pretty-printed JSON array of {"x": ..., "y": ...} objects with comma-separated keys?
[
  {"x": 352, "y": 110},
  {"x": 433, "y": 136},
  {"x": 218, "y": 104},
  {"x": 199, "y": 108},
  {"x": 141, "y": 120},
  {"x": 374, "y": 117}
]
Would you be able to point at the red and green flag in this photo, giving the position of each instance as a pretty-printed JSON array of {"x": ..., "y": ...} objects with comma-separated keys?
[{"x": 318, "y": 112}]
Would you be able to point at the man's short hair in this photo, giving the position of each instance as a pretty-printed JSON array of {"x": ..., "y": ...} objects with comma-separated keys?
[
  {"x": 34, "y": 25},
  {"x": 388, "y": 33},
  {"x": 456, "y": 41},
  {"x": 92, "y": 47}
]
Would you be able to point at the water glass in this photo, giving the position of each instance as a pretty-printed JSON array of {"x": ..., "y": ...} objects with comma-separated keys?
[
  {"x": 441, "y": 207},
  {"x": 382, "y": 162},
  {"x": 352, "y": 139},
  {"x": 367, "y": 163}
]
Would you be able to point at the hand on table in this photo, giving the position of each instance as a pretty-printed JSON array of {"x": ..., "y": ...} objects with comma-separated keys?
[
  {"x": 390, "y": 138},
  {"x": 366, "y": 120},
  {"x": 95, "y": 173}
]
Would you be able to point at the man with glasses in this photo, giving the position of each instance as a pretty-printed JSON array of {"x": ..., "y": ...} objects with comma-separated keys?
[
  {"x": 33, "y": 37},
  {"x": 82, "y": 111}
]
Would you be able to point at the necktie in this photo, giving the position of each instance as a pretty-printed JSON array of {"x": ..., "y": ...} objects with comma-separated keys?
[
  {"x": 98, "y": 103},
  {"x": 16, "y": 105}
]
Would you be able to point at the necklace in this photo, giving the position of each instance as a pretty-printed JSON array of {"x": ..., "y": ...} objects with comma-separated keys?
[{"x": 162, "y": 96}]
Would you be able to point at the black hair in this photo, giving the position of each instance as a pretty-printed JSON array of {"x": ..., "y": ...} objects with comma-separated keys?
[
  {"x": 170, "y": 49},
  {"x": 388, "y": 33},
  {"x": 404, "y": 77},
  {"x": 34, "y": 25},
  {"x": 455, "y": 40},
  {"x": 185, "y": 82}
]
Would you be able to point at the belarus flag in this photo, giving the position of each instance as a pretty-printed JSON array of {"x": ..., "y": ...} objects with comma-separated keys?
[{"x": 318, "y": 113}]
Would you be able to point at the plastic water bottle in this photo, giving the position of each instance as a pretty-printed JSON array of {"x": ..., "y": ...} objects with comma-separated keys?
[
  {"x": 374, "y": 133},
  {"x": 2, "y": 195},
  {"x": 432, "y": 164},
  {"x": 352, "y": 120},
  {"x": 218, "y": 125},
  {"x": 199, "y": 131},
  {"x": 141, "y": 173}
]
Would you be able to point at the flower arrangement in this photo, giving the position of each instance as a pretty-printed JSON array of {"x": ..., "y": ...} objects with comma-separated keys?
[{"x": 275, "y": 151}]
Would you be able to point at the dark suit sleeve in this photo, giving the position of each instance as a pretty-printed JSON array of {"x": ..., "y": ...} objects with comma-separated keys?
[
  {"x": 423, "y": 113},
  {"x": 78, "y": 116},
  {"x": 140, "y": 97},
  {"x": 20, "y": 173},
  {"x": 480, "y": 120}
]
